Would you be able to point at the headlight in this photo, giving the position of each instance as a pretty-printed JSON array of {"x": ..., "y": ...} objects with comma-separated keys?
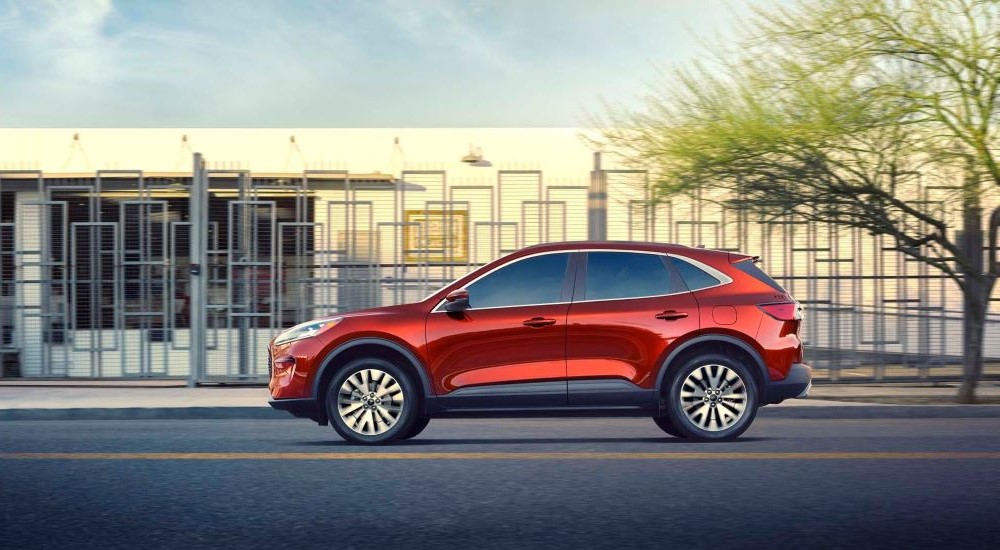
[{"x": 305, "y": 330}]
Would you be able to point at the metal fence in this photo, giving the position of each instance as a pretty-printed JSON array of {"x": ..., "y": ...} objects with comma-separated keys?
[{"x": 97, "y": 277}]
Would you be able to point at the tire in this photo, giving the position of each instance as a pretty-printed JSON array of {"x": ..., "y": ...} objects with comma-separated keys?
[
  {"x": 667, "y": 425},
  {"x": 385, "y": 413},
  {"x": 720, "y": 398},
  {"x": 417, "y": 427}
]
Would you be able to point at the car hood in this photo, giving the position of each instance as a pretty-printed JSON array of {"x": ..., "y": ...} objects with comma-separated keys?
[{"x": 384, "y": 310}]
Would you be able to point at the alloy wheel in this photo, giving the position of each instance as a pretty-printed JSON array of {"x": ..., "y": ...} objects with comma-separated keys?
[
  {"x": 713, "y": 397},
  {"x": 370, "y": 401}
]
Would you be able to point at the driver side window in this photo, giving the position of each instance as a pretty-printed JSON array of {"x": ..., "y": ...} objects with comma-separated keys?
[{"x": 531, "y": 281}]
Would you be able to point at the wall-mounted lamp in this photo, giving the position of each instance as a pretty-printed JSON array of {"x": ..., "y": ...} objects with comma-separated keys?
[{"x": 475, "y": 158}]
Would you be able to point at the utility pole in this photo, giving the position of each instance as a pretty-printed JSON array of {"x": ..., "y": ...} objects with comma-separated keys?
[
  {"x": 198, "y": 287},
  {"x": 993, "y": 243},
  {"x": 597, "y": 202}
]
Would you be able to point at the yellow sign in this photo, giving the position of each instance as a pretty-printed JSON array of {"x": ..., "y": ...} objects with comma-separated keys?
[{"x": 436, "y": 236}]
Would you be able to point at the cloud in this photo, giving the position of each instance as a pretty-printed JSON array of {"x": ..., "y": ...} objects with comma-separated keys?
[
  {"x": 86, "y": 61},
  {"x": 8, "y": 14},
  {"x": 389, "y": 63},
  {"x": 456, "y": 27},
  {"x": 63, "y": 39}
]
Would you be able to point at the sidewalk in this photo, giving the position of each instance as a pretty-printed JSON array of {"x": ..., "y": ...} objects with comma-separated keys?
[
  {"x": 92, "y": 400},
  {"x": 888, "y": 392},
  {"x": 89, "y": 402}
]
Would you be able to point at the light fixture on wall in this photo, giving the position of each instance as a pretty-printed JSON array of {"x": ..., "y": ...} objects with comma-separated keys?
[
  {"x": 294, "y": 150},
  {"x": 76, "y": 150},
  {"x": 475, "y": 157}
]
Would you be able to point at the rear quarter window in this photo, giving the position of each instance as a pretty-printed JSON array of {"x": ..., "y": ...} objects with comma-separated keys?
[{"x": 694, "y": 277}]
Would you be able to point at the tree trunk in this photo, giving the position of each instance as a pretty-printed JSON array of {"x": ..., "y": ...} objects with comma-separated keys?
[
  {"x": 975, "y": 297},
  {"x": 976, "y": 301},
  {"x": 975, "y": 292}
]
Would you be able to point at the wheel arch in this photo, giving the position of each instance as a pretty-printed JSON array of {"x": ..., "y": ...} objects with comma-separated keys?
[
  {"x": 360, "y": 348},
  {"x": 713, "y": 343}
]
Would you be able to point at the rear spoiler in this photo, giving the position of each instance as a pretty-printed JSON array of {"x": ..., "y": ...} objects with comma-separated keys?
[{"x": 736, "y": 257}]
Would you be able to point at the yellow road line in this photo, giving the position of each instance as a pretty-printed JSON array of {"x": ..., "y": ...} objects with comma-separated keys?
[{"x": 511, "y": 456}]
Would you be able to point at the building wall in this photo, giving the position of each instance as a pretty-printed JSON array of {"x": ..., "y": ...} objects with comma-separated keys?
[{"x": 560, "y": 152}]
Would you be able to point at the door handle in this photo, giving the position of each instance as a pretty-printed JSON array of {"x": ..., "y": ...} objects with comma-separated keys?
[
  {"x": 537, "y": 322},
  {"x": 671, "y": 315}
]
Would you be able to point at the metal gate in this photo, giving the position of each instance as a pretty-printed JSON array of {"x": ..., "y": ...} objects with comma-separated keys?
[
  {"x": 124, "y": 274},
  {"x": 94, "y": 283}
]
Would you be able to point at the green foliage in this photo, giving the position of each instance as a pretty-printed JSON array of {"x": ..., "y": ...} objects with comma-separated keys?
[{"x": 832, "y": 110}]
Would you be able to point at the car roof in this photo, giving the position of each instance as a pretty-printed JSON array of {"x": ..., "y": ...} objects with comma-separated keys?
[
  {"x": 615, "y": 245},
  {"x": 698, "y": 253},
  {"x": 573, "y": 245}
]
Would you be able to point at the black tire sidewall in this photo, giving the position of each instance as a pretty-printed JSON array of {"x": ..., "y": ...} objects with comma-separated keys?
[
  {"x": 411, "y": 402},
  {"x": 418, "y": 426},
  {"x": 666, "y": 424},
  {"x": 680, "y": 420}
]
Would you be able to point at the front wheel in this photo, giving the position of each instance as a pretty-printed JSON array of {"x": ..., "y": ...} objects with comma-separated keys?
[
  {"x": 418, "y": 426},
  {"x": 372, "y": 402},
  {"x": 667, "y": 425},
  {"x": 712, "y": 397}
]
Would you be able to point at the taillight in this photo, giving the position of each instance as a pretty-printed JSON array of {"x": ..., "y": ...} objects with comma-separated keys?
[{"x": 782, "y": 311}]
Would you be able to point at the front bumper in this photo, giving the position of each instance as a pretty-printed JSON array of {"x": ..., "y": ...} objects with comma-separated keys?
[
  {"x": 304, "y": 407},
  {"x": 796, "y": 384}
]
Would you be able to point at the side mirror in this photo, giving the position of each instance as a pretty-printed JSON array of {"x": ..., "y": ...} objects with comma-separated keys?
[{"x": 457, "y": 300}]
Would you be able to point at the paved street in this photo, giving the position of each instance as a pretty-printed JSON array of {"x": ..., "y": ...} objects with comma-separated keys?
[{"x": 615, "y": 483}]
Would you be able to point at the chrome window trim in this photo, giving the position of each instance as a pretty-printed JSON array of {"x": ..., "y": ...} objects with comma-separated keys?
[
  {"x": 503, "y": 307},
  {"x": 629, "y": 298},
  {"x": 718, "y": 275},
  {"x": 437, "y": 308}
]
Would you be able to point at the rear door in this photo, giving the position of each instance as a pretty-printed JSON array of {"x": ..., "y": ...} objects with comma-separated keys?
[{"x": 628, "y": 307}]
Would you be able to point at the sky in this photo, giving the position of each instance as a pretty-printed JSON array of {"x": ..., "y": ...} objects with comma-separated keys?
[{"x": 339, "y": 63}]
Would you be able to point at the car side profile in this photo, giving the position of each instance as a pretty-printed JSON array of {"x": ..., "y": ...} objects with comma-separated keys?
[{"x": 697, "y": 339}]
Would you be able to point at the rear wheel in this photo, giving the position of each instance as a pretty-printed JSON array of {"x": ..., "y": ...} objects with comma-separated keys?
[
  {"x": 712, "y": 397},
  {"x": 371, "y": 402}
]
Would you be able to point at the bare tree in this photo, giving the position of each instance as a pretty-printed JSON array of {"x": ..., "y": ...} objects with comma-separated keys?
[{"x": 831, "y": 111}]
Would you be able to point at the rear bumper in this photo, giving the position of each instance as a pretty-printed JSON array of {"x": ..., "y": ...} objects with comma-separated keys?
[
  {"x": 304, "y": 407},
  {"x": 796, "y": 384}
]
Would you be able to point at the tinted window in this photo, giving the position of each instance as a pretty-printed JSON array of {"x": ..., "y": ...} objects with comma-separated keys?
[
  {"x": 536, "y": 280},
  {"x": 756, "y": 272},
  {"x": 628, "y": 275},
  {"x": 694, "y": 277}
]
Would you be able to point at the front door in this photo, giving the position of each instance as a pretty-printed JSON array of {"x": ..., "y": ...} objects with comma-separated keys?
[
  {"x": 629, "y": 307},
  {"x": 508, "y": 350}
]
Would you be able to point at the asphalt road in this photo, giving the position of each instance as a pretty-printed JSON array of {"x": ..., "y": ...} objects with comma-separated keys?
[{"x": 899, "y": 483}]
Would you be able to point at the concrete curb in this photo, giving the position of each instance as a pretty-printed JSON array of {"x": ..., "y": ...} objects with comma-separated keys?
[
  {"x": 837, "y": 412},
  {"x": 831, "y": 412},
  {"x": 145, "y": 413}
]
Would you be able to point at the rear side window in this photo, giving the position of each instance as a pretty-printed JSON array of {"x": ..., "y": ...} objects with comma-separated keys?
[
  {"x": 612, "y": 275},
  {"x": 694, "y": 277},
  {"x": 752, "y": 270}
]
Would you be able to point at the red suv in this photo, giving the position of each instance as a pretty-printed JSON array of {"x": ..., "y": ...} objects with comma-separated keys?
[{"x": 696, "y": 339}]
